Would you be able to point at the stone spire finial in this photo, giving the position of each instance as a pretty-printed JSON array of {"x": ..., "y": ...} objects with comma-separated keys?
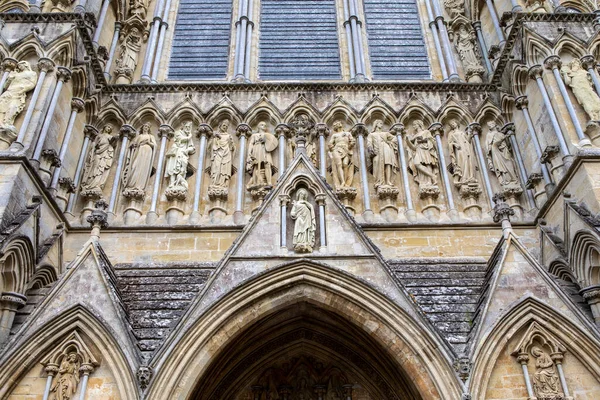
[
  {"x": 502, "y": 213},
  {"x": 98, "y": 219}
]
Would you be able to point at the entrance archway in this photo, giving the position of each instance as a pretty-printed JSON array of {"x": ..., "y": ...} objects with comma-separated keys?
[{"x": 305, "y": 353}]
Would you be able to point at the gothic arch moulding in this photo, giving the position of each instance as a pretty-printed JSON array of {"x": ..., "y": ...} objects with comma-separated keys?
[
  {"x": 17, "y": 263},
  {"x": 277, "y": 298},
  {"x": 503, "y": 338},
  {"x": 585, "y": 258}
]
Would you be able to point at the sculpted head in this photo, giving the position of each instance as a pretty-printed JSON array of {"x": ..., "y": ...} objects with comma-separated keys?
[
  {"x": 187, "y": 126},
  {"x": 378, "y": 124},
  {"x": 72, "y": 357},
  {"x": 575, "y": 64},
  {"x": 23, "y": 66},
  {"x": 418, "y": 125},
  {"x": 224, "y": 125},
  {"x": 338, "y": 126},
  {"x": 302, "y": 195},
  {"x": 107, "y": 130},
  {"x": 491, "y": 125},
  {"x": 145, "y": 129},
  {"x": 262, "y": 126},
  {"x": 453, "y": 124}
]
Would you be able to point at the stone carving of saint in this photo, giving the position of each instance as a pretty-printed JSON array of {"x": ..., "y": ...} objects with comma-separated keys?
[
  {"x": 383, "y": 149},
  {"x": 423, "y": 158},
  {"x": 12, "y": 100},
  {"x": 499, "y": 157},
  {"x": 545, "y": 379},
  {"x": 461, "y": 155},
  {"x": 580, "y": 82},
  {"x": 64, "y": 385},
  {"x": 259, "y": 162},
  {"x": 221, "y": 157},
  {"x": 340, "y": 147},
  {"x": 138, "y": 8},
  {"x": 127, "y": 61},
  {"x": 138, "y": 164},
  {"x": 455, "y": 8},
  {"x": 303, "y": 213},
  {"x": 98, "y": 163},
  {"x": 62, "y": 5},
  {"x": 465, "y": 43},
  {"x": 178, "y": 157}
]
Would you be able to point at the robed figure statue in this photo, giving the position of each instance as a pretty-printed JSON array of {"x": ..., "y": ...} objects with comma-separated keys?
[{"x": 303, "y": 213}]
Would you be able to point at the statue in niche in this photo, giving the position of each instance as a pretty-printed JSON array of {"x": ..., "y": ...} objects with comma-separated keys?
[
  {"x": 12, "y": 100},
  {"x": 177, "y": 159},
  {"x": 462, "y": 156},
  {"x": 423, "y": 159},
  {"x": 221, "y": 157},
  {"x": 466, "y": 46},
  {"x": 138, "y": 164},
  {"x": 545, "y": 379},
  {"x": 98, "y": 163},
  {"x": 454, "y": 8},
  {"x": 340, "y": 148},
  {"x": 500, "y": 160},
  {"x": 580, "y": 82},
  {"x": 127, "y": 60},
  {"x": 304, "y": 132},
  {"x": 65, "y": 384},
  {"x": 138, "y": 8},
  {"x": 382, "y": 147},
  {"x": 305, "y": 226},
  {"x": 259, "y": 162}
]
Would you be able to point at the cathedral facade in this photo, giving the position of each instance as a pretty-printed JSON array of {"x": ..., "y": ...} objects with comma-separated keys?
[{"x": 299, "y": 199}]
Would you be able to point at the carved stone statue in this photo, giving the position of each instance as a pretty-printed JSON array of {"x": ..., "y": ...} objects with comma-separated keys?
[
  {"x": 64, "y": 385},
  {"x": 465, "y": 43},
  {"x": 221, "y": 157},
  {"x": 98, "y": 163},
  {"x": 12, "y": 100},
  {"x": 259, "y": 162},
  {"x": 305, "y": 224},
  {"x": 340, "y": 148},
  {"x": 304, "y": 132},
  {"x": 138, "y": 8},
  {"x": 580, "y": 82},
  {"x": 382, "y": 147},
  {"x": 545, "y": 379},
  {"x": 500, "y": 160},
  {"x": 138, "y": 164},
  {"x": 454, "y": 8},
  {"x": 423, "y": 159},
  {"x": 127, "y": 60},
  {"x": 462, "y": 155},
  {"x": 177, "y": 159}
]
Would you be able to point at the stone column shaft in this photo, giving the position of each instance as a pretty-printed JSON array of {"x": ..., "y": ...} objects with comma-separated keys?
[
  {"x": 45, "y": 65},
  {"x": 436, "y": 41},
  {"x": 553, "y": 63},
  {"x": 77, "y": 105},
  {"x": 200, "y": 171},
  {"x": 363, "y": 173},
  {"x": 63, "y": 74},
  {"x": 164, "y": 132},
  {"x": 322, "y": 160},
  {"x": 516, "y": 6},
  {"x": 399, "y": 129},
  {"x": 8, "y": 65},
  {"x": 492, "y": 9},
  {"x": 535, "y": 73},
  {"x": 563, "y": 381},
  {"x": 484, "y": 49},
  {"x": 113, "y": 49},
  {"x": 589, "y": 62},
  {"x": 159, "y": 48},
  {"x": 243, "y": 131},
  {"x": 530, "y": 392},
  {"x": 521, "y": 166},
  {"x": 437, "y": 130},
  {"x": 127, "y": 131},
  {"x": 100, "y": 25},
  {"x": 48, "y": 387},
  {"x": 77, "y": 180},
  {"x": 475, "y": 128},
  {"x": 320, "y": 199}
]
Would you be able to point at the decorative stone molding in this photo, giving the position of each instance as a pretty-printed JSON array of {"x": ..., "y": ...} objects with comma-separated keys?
[
  {"x": 98, "y": 219},
  {"x": 144, "y": 375},
  {"x": 463, "y": 367}
]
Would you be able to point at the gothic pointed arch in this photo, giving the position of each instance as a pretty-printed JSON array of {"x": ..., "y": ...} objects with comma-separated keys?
[
  {"x": 224, "y": 109},
  {"x": 184, "y": 110},
  {"x": 412, "y": 354},
  {"x": 378, "y": 109},
  {"x": 30, "y": 350},
  {"x": 583, "y": 346},
  {"x": 584, "y": 256},
  {"x": 17, "y": 264},
  {"x": 263, "y": 110},
  {"x": 301, "y": 106}
]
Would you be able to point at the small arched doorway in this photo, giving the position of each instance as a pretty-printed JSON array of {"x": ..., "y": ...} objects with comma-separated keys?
[{"x": 304, "y": 352}]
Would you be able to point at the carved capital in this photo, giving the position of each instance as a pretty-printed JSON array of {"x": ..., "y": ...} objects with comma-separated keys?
[
  {"x": 67, "y": 184},
  {"x": 549, "y": 153},
  {"x": 557, "y": 357},
  {"x": 86, "y": 368},
  {"x": 127, "y": 131},
  {"x": 521, "y": 102},
  {"x": 398, "y": 129},
  {"x": 535, "y": 72},
  {"x": 204, "y": 130},
  {"x": 282, "y": 130},
  {"x": 51, "y": 369},
  {"x": 552, "y": 62},
  {"x": 523, "y": 358},
  {"x": 322, "y": 130},
  {"x": 98, "y": 218},
  {"x": 284, "y": 199},
  {"x": 508, "y": 129},
  {"x": 477, "y": 25},
  {"x": 90, "y": 131},
  {"x": 165, "y": 130},
  {"x": 436, "y": 129},
  {"x": 45, "y": 64},
  {"x": 77, "y": 104},
  {"x": 474, "y": 128},
  {"x": 63, "y": 74},
  {"x": 360, "y": 129},
  {"x": 12, "y": 300},
  {"x": 9, "y": 64},
  {"x": 51, "y": 157},
  {"x": 591, "y": 294},
  {"x": 533, "y": 180},
  {"x": 588, "y": 62},
  {"x": 501, "y": 209},
  {"x": 320, "y": 199},
  {"x": 243, "y": 130}
]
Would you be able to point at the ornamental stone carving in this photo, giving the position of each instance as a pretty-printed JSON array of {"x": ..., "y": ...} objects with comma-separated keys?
[
  {"x": 65, "y": 384},
  {"x": 12, "y": 101},
  {"x": 455, "y": 8},
  {"x": 382, "y": 147},
  {"x": 259, "y": 161},
  {"x": 546, "y": 384},
  {"x": 305, "y": 225},
  {"x": 138, "y": 8},
  {"x": 177, "y": 159},
  {"x": 423, "y": 160},
  {"x": 580, "y": 82},
  {"x": 465, "y": 42},
  {"x": 222, "y": 150},
  {"x": 98, "y": 163},
  {"x": 138, "y": 164},
  {"x": 304, "y": 133},
  {"x": 538, "y": 6},
  {"x": 341, "y": 145},
  {"x": 463, "y": 165},
  {"x": 501, "y": 162},
  {"x": 132, "y": 36}
]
